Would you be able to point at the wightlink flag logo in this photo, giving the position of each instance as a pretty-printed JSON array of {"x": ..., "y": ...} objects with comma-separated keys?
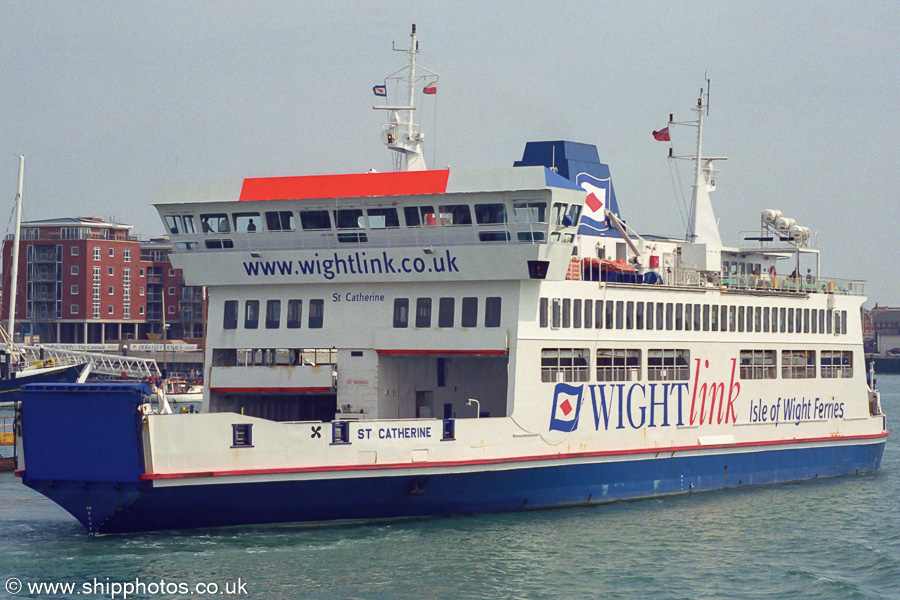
[
  {"x": 593, "y": 219},
  {"x": 566, "y": 406}
]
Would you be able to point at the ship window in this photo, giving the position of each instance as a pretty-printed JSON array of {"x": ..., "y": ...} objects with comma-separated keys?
[
  {"x": 459, "y": 214},
  {"x": 564, "y": 365},
  {"x": 837, "y": 364},
  {"x": 492, "y": 309},
  {"x": 280, "y": 220},
  {"x": 315, "y": 219},
  {"x": 740, "y": 318},
  {"x": 242, "y": 435},
  {"x": 353, "y": 238},
  {"x": 469, "y": 312},
  {"x": 576, "y": 314},
  {"x": 765, "y": 319},
  {"x": 316, "y": 314},
  {"x": 598, "y": 314},
  {"x": 530, "y": 236},
  {"x": 446, "y": 307},
  {"x": 814, "y": 321},
  {"x": 188, "y": 221},
  {"x": 783, "y": 313},
  {"x": 629, "y": 315},
  {"x": 821, "y": 321},
  {"x": 401, "y": 312},
  {"x": 706, "y": 312},
  {"x": 489, "y": 214},
  {"x": 423, "y": 312},
  {"x": 173, "y": 222},
  {"x": 251, "y": 314},
  {"x": 246, "y": 222},
  {"x": 790, "y": 320},
  {"x": 828, "y": 320},
  {"x": 660, "y": 316},
  {"x": 294, "y": 314},
  {"x": 679, "y": 317},
  {"x": 543, "y": 312},
  {"x": 650, "y": 312},
  {"x": 215, "y": 223},
  {"x": 218, "y": 244},
  {"x": 758, "y": 364},
  {"x": 618, "y": 364},
  {"x": 798, "y": 364},
  {"x": 415, "y": 215},
  {"x": 380, "y": 218},
  {"x": 843, "y": 322},
  {"x": 557, "y": 313},
  {"x": 493, "y": 236},
  {"x": 757, "y": 319},
  {"x": 670, "y": 316},
  {"x": 530, "y": 212},
  {"x": 668, "y": 365},
  {"x": 688, "y": 310},
  {"x": 799, "y": 319},
  {"x": 732, "y": 325},
  {"x": 696, "y": 317},
  {"x": 805, "y": 320},
  {"x": 610, "y": 312},
  {"x": 273, "y": 314},
  {"x": 348, "y": 218},
  {"x": 566, "y": 313},
  {"x": 639, "y": 315},
  {"x": 588, "y": 313}
]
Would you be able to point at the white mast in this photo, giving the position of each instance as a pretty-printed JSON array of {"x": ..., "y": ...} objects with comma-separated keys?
[
  {"x": 401, "y": 134},
  {"x": 704, "y": 228},
  {"x": 14, "y": 277}
]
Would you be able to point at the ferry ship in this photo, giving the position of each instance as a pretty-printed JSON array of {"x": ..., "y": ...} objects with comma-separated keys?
[{"x": 432, "y": 342}]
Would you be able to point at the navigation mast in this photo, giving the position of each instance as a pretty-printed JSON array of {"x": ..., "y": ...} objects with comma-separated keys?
[
  {"x": 401, "y": 134},
  {"x": 703, "y": 228}
]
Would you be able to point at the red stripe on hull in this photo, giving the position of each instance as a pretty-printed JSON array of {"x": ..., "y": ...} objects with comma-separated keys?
[
  {"x": 345, "y": 186},
  {"x": 455, "y": 352},
  {"x": 494, "y": 461},
  {"x": 271, "y": 389}
]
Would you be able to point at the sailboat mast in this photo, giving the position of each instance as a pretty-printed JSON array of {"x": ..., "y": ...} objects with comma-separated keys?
[{"x": 14, "y": 278}]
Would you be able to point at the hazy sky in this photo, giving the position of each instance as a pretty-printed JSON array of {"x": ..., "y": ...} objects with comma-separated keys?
[{"x": 107, "y": 99}]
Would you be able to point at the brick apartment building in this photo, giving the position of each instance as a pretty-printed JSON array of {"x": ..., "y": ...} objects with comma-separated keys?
[{"x": 85, "y": 281}]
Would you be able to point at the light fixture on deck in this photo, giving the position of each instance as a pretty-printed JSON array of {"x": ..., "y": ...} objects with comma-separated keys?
[
  {"x": 428, "y": 250},
  {"x": 254, "y": 253},
  {"x": 477, "y": 407}
]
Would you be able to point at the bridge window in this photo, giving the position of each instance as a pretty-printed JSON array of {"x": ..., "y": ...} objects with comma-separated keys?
[
  {"x": 246, "y": 222},
  {"x": 758, "y": 364},
  {"x": 280, "y": 220},
  {"x": 489, "y": 214},
  {"x": 415, "y": 216},
  {"x": 668, "y": 365},
  {"x": 530, "y": 212},
  {"x": 315, "y": 219},
  {"x": 215, "y": 223},
  {"x": 380, "y": 218},
  {"x": 348, "y": 218},
  {"x": 218, "y": 244},
  {"x": 459, "y": 214}
]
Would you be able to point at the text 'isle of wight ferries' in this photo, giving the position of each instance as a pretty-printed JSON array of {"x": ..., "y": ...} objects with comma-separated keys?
[
  {"x": 353, "y": 263},
  {"x": 640, "y": 405}
]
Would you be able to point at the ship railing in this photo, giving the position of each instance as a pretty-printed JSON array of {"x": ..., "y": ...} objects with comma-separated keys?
[{"x": 386, "y": 237}]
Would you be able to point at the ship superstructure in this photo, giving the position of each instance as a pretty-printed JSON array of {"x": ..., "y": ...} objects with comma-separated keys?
[{"x": 448, "y": 341}]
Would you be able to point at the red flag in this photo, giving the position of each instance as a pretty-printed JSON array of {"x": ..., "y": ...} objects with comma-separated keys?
[
  {"x": 662, "y": 135},
  {"x": 431, "y": 88}
]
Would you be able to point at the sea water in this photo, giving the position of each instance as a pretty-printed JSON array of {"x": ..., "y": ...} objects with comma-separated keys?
[{"x": 836, "y": 538}]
